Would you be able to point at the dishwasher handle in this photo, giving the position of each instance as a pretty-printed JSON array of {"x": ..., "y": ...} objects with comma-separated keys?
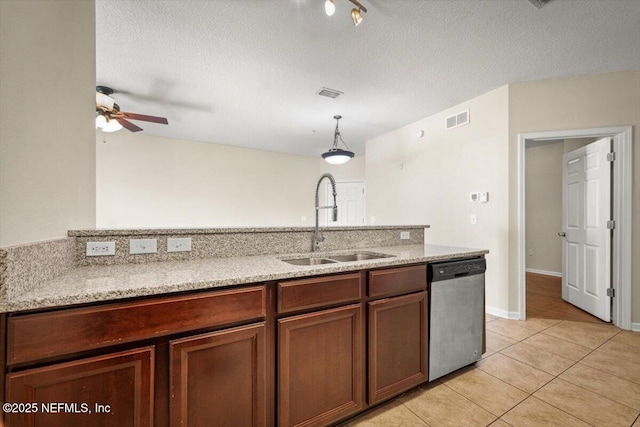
[{"x": 448, "y": 270}]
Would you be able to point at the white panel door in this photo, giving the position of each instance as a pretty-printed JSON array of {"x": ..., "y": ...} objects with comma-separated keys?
[
  {"x": 350, "y": 201},
  {"x": 586, "y": 208}
]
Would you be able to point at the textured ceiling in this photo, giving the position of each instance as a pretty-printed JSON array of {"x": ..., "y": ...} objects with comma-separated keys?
[{"x": 246, "y": 73}]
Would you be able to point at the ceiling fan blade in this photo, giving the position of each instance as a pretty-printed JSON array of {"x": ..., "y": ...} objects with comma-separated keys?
[
  {"x": 144, "y": 118},
  {"x": 128, "y": 125}
]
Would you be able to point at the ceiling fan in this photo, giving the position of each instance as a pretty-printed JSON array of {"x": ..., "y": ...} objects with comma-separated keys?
[{"x": 109, "y": 118}]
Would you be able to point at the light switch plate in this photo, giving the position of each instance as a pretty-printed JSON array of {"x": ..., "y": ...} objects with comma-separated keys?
[
  {"x": 484, "y": 197},
  {"x": 143, "y": 246},
  {"x": 101, "y": 248},
  {"x": 179, "y": 244}
]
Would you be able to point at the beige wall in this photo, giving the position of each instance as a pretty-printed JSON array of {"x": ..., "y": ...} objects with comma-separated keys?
[
  {"x": 427, "y": 180},
  {"x": 146, "y": 181},
  {"x": 47, "y": 149},
  {"x": 601, "y": 100},
  {"x": 543, "y": 207}
]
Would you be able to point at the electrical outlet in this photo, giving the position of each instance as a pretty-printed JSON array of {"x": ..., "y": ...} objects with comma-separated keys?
[
  {"x": 404, "y": 235},
  {"x": 179, "y": 244},
  {"x": 303, "y": 218},
  {"x": 474, "y": 219},
  {"x": 101, "y": 248},
  {"x": 143, "y": 246},
  {"x": 530, "y": 252}
]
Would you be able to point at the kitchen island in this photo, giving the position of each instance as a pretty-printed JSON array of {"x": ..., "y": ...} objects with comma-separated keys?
[{"x": 238, "y": 340}]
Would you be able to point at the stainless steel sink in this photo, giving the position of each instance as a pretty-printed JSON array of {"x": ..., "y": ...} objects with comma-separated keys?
[
  {"x": 309, "y": 261},
  {"x": 358, "y": 257},
  {"x": 331, "y": 259}
]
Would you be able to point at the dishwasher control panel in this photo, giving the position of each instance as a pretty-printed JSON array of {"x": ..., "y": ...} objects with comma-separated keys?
[{"x": 451, "y": 269}]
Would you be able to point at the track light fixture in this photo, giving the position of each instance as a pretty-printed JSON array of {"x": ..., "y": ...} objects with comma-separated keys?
[
  {"x": 335, "y": 155},
  {"x": 356, "y": 12}
]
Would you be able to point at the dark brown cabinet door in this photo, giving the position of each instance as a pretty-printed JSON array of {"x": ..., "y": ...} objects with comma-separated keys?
[
  {"x": 112, "y": 390},
  {"x": 219, "y": 378},
  {"x": 321, "y": 366},
  {"x": 397, "y": 345}
]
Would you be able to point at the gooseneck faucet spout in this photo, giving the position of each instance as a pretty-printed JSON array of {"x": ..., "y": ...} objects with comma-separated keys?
[{"x": 317, "y": 235}]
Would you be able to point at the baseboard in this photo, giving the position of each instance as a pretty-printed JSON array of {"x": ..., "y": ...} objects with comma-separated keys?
[
  {"x": 635, "y": 326},
  {"x": 545, "y": 272},
  {"x": 512, "y": 315}
]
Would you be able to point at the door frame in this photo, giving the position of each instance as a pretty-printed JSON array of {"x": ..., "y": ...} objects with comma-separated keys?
[{"x": 622, "y": 208}]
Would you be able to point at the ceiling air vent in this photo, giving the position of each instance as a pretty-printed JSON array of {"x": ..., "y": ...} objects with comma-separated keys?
[
  {"x": 539, "y": 3},
  {"x": 458, "y": 119},
  {"x": 329, "y": 93}
]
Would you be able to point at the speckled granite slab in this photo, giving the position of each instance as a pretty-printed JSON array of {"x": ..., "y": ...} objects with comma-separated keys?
[
  {"x": 104, "y": 283},
  {"x": 237, "y": 242},
  {"x": 25, "y": 267}
]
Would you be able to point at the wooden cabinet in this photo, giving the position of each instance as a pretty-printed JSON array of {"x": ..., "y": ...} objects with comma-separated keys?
[
  {"x": 112, "y": 390},
  {"x": 397, "y": 345},
  {"x": 321, "y": 366},
  {"x": 219, "y": 378},
  {"x": 147, "y": 359}
]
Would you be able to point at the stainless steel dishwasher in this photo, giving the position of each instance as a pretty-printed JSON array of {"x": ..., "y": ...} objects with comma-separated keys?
[{"x": 456, "y": 314}]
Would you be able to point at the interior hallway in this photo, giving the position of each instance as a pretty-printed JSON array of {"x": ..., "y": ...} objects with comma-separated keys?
[
  {"x": 538, "y": 372},
  {"x": 544, "y": 300}
]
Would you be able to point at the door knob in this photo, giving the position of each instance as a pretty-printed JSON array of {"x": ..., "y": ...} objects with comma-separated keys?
[{"x": 562, "y": 234}]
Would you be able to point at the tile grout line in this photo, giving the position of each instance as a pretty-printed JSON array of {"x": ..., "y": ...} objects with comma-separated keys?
[{"x": 576, "y": 385}]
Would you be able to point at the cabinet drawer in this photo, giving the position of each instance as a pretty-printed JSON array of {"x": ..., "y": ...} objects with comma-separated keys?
[
  {"x": 318, "y": 292},
  {"x": 37, "y": 336},
  {"x": 397, "y": 281}
]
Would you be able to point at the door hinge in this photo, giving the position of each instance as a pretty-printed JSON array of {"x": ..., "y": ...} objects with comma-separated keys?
[
  {"x": 611, "y": 224},
  {"x": 611, "y": 156},
  {"x": 611, "y": 292}
]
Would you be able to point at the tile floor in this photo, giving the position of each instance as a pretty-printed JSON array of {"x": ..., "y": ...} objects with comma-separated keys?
[{"x": 539, "y": 372}]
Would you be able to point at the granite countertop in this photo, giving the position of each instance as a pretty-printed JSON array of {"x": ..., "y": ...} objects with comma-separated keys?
[{"x": 105, "y": 283}]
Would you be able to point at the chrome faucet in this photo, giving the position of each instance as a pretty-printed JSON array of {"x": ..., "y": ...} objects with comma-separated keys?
[{"x": 317, "y": 235}]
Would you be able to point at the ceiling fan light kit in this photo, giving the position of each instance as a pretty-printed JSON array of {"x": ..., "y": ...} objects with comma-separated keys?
[
  {"x": 356, "y": 12},
  {"x": 335, "y": 155},
  {"x": 109, "y": 118}
]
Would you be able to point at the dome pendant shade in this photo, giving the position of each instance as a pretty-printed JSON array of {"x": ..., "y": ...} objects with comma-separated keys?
[{"x": 335, "y": 155}]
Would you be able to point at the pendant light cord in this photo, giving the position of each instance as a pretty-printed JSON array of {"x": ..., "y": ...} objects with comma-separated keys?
[{"x": 337, "y": 135}]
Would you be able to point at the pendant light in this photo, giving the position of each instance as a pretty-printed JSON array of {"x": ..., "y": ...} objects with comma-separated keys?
[
  {"x": 356, "y": 16},
  {"x": 335, "y": 155}
]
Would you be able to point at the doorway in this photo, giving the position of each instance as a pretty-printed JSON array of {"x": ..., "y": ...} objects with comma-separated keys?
[
  {"x": 544, "y": 213},
  {"x": 621, "y": 250},
  {"x": 350, "y": 201}
]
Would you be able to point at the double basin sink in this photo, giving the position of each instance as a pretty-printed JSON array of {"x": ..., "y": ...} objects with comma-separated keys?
[{"x": 330, "y": 259}]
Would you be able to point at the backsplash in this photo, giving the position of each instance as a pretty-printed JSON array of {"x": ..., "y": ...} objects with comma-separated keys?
[
  {"x": 232, "y": 242},
  {"x": 24, "y": 267}
]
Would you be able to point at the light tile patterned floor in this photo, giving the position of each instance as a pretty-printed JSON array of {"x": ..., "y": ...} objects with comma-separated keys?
[{"x": 538, "y": 373}]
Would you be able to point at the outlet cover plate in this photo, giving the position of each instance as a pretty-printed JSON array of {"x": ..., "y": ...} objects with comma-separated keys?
[
  {"x": 179, "y": 244},
  {"x": 404, "y": 235},
  {"x": 101, "y": 248},
  {"x": 143, "y": 246}
]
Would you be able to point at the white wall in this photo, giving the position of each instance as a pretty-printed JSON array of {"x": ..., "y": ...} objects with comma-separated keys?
[
  {"x": 146, "y": 181},
  {"x": 47, "y": 151},
  {"x": 599, "y": 100},
  {"x": 427, "y": 180}
]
